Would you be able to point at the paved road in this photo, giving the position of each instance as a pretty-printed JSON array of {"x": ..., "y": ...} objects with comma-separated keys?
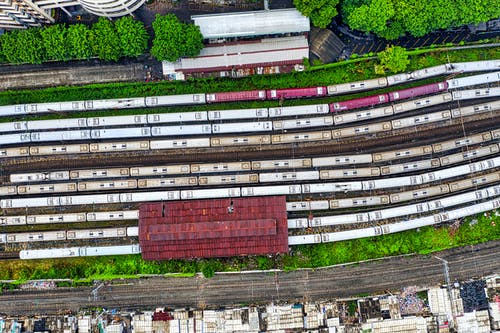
[{"x": 235, "y": 289}]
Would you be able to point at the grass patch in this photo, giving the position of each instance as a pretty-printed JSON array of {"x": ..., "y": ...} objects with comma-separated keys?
[{"x": 82, "y": 271}]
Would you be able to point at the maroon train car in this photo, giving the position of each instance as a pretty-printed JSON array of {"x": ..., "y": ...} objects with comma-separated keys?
[
  {"x": 236, "y": 96},
  {"x": 296, "y": 92},
  {"x": 359, "y": 103},
  {"x": 426, "y": 89}
]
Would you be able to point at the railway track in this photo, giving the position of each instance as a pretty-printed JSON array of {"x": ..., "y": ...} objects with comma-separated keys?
[{"x": 234, "y": 289}]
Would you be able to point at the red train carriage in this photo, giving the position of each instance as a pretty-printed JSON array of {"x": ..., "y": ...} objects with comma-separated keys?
[
  {"x": 236, "y": 96},
  {"x": 418, "y": 91},
  {"x": 359, "y": 103},
  {"x": 296, "y": 92}
]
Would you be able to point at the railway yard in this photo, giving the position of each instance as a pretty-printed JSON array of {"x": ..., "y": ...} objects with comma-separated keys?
[{"x": 359, "y": 167}]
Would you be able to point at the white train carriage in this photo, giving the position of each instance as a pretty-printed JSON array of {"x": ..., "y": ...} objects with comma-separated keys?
[
  {"x": 99, "y": 173},
  {"x": 403, "y": 153},
  {"x": 475, "y": 66},
  {"x": 469, "y": 197},
  {"x": 301, "y": 137},
  {"x": 180, "y": 130},
  {"x": 133, "y": 231},
  {"x": 177, "y": 117},
  {"x": 282, "y": 164},
  {"x": 44, "y": 125},
  {"x": 229, "y": 179},
  {"x": 240, "y": 140},
  {"x": 461, "y": 95},
  {"x": 361, "y": 130},
  {"x": 354, "y": 234},
  {"x": 430, "y": 72},
  {"x": 11, "y": 139},
  {"x": 14, "y": 152},
  {"x": 359, "y": 202},
  {"x": 302, "y": 123},
  {"x": 59, "y": 149},
  {"x": 35, "y": 202},
  {"x": 13, "y": 220},
  {"x": 67, "y": 252},
  {"x": 467, "y": 211},
  {"x": 155, "y": 101},
  {"x": 301, "y": 110},
  {"x": 260, "y": 126},
  {"x": 422, "y": 103},
  {"x": 237, "y": 114},
  {"x": 349, "y": 117},
  {"x": 325, "y": 221},
  {"x": 343, "y": 88},
  {"x": 462, "y": 142},
  {"x": 398, "y": 79},
  {"x": 150, "y": 196},
  {"x": 167, "y": 182},
  {"x": 118, "y": 146},
  {"x": 56, "y": 218},
  {"x": 17, "y": 126},
  {"x": 119, "y": 103},
  {"x": 298, "y": 223},
  {"x": 475, "y": 181},
  {"x": 389, "y": 213},
  {"x": 107, "y": 185},
  {"x": 296, "y": 206},
  {"x": 468, "y": 155},
  {"x": 349, "y": 173},
  {"x": 113, "y": 216},
  {"x": 474, "y": 80},
  {"x": 118, "y": 133},
  {"x": 211, "y": 193},
  {"x": 159, "y": 170},
  {"x": 420, "y": 193},
  {"x": 28, "y": 237},
  {"x": 96, "y": 233},
  {"x": 475, "y": 109},
  {"x": 60, "y": 136},
  {"x": 410, "y": 166},
  {"x": 140, "y": 119},
  {"x": 332, "y": 187},
  {"x": 180, "y": 143},
  {"x": 79, "y": 252},
  {"x": 46, "y": 188},
  {"x": 288, "y": 176},
  {"x": 270, "y": 190},
  {"x": 341, "y": 160},
  {"x": 304, "y": 239},
  {"x": 38, "y": 176},
  {"x": 220, "y": 167},
  {"x": 421, "y": 119}
]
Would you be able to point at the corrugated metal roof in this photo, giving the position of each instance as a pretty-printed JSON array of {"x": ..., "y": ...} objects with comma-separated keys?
[
  {"x": 264, "y": 52},
  {"x": 257, "y": 23},
  {"x": 213, "y": 228}
]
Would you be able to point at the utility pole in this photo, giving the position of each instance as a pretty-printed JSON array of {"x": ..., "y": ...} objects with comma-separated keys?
[{"x": 448, "y": 287}]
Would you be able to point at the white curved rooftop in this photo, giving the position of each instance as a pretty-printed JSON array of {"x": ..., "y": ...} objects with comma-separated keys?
[{"x": 256, "y": 23}]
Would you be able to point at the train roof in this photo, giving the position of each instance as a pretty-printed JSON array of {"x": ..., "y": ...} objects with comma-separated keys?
[
  {"x": 255, "y": 23},
  {"x": 213, "y": 228}
]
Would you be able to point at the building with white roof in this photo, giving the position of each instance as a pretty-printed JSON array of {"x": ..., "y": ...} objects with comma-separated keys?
[{"x": 250, "y": 24}]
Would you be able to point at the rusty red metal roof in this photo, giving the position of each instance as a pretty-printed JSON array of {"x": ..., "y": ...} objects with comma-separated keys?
[{"x": 213, "y": 228}]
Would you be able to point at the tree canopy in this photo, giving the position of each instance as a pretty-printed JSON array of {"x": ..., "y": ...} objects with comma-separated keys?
[
  {"x": 394, "y": 59},
  {"x": 104, "y": 40},
  {"x": 174, "y": 39},
  {"x": 133, "y": 36},
  {"x": 321, "y": 12},
  {"x": 78, "y": 38},
  {"x": 393, "y": 18}
]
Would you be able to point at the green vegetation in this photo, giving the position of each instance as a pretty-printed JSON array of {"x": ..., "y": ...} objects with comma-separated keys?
[
  {"x": 393, "y": 18},
  {"x": 321, "y": 12},
  {"x": 482, "y": 228},
  {"x": 393, "y": 59},
  {"x": 174, "y": 39},
  {"x": 105, "y": 39}
]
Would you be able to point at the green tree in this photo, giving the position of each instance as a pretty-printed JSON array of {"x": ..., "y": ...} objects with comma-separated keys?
[
  {"x": 55, "y": 42},
  {"x": 133, "y": 36},
  {"x": 394, "y": 59},
  {"x": 105, "y": 40},
  {"x": 371, "y": 17},
  {"x": 23, "y": 46},
  {"x": 321, "y": 12},
  {"x": 78, "y": 38},
  {"x": 174, "y": 39}
]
